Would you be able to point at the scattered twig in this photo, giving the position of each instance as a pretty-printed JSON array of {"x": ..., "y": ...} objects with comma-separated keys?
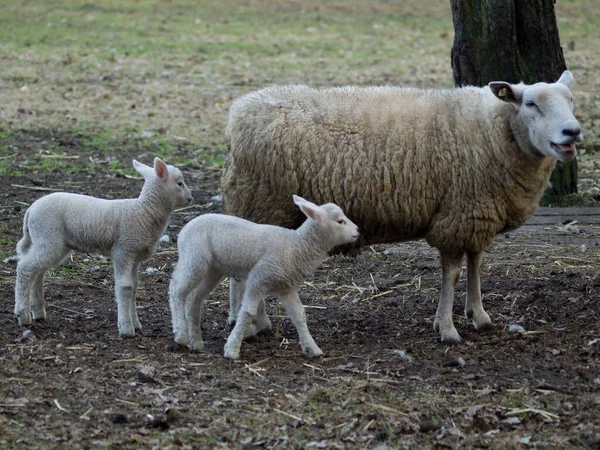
[
  {"x": 311, "y": 366},
  {"x": 300, "y": 419},
  {"x": 126, "y": 402},
  {"x": 60, "y": 407},
  {"x": 9, "y": 156},
  {"x": 387, "y": 408},
  {"x": 85, "y": 414},
  {"x": 35, "y": 188},
  {"x": 56, "y": 156},
  {"x": 545, "y": 414}
]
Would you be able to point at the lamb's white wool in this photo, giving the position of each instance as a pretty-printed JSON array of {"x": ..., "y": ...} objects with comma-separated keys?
[
  {"x": 128, "y": 230},
  {"x": 453, "y": 166},
  {"x": 267, "y": 260}
]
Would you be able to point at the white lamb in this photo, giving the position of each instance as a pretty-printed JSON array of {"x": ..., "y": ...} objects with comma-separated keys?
[
  {"x": 128, "y": 230},
  {"x": 268, "y": 260}
]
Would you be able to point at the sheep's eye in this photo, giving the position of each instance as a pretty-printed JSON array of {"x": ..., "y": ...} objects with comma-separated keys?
[
  {"x": 180, "y": 183},
  {"x": 341, "y": 221},
  {"x": 531, "y": 104}
]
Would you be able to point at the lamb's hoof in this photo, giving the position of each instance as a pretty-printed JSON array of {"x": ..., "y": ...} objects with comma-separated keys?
[
  {"x": 23, "y": 317},
  {"x": 129, "y": 332},
  {"x": 450, "y": 337},
  {"x": 182, "y": 339},
  {"x": 196, "y": 345},
  {"x": 38, "y": 316},
  {"x": 481, "y": 320},
  {"x": 231, "y": 353},
  {"x": 313, "y": 352}
]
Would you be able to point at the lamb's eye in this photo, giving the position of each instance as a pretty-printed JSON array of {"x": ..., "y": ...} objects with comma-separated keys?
[
  {"x": 531, "y": 104},
  {"x": 180, "y": 183},
  {"x": 341, "y": 221}
]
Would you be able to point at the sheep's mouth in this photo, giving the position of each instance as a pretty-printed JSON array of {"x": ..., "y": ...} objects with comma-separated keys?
[{"x": 567, "y": 149}]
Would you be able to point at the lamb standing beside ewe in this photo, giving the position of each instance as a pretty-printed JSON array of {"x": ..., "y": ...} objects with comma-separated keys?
[
  {"x": 453, "y": 166},
  {"x": 268, "y": 260},
  {"x": 128, "y": 230}
]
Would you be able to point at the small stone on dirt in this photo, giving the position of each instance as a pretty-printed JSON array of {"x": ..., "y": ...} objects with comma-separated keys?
[
  {"x": 164, "y": 239},
  {"x": 512, "y": 420},
  {"x": 514, "y": 328},
  {"x": 429, "y": 425},
  {"x": 403, "y": 355}
]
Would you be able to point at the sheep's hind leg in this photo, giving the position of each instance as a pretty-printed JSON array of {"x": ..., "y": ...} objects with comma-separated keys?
[
  {"x": 473, "y": 306},
  {"x": 451, "y": 265},
  {"x": 25, "y": 279},
  {"x": 124, "y": 286},
  {"x": 36, "y": 295},
  {"x": 295, "y": 311},
  {"x": 248, "y": 310},
  {"x": 193, "y": 309},
  {"x": 236, "y": 293},
  {"x": 179, "y": 288},
  {"x": 133, "y": 305}
]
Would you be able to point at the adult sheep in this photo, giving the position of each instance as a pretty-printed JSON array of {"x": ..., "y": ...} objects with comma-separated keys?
[{"x": 453, "y": 166}]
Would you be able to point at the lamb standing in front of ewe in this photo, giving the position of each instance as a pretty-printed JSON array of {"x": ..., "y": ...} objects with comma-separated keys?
[
  {"x": 453, "y": 166},
  {"x": 128, "y": 230},
  {"x": 267, "y": 260}
]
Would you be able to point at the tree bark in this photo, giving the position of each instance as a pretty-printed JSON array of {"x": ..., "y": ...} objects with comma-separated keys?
[{"x": 511, "y": 40}]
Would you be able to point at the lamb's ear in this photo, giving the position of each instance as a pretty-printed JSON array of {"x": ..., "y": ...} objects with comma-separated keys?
[
  {"x": 161, "y": 169},
  {"x": 510, "y": 93},
  {"x": 566, "y": 78},
  {"x": 144, "y": 170},
  {"x": 311, "y": 210}
]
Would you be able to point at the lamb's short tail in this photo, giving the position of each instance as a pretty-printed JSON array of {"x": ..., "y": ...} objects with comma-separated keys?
[{"x": 25, "y": 243}]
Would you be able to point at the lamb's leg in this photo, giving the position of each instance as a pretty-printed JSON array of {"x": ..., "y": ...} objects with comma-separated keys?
[
  {"x": 473, "y": 306},
  {"x": 248, "y": 310},
  {"x": 451, "y": 265},
  {"x": 36, "y": 295},
  {"x": 134, "y": 315},
  {"x": 179, "y": 288},
  {"x": 236, "y": 293},
  {"x": 295, "y": 311},
  {"x": 193, "y": 309},
  {"x": 26, "y": 275},
  {"x": 123, "y": 268}
]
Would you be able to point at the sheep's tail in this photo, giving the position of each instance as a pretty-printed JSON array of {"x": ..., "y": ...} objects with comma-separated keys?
[{"x": 25, "y": 243}]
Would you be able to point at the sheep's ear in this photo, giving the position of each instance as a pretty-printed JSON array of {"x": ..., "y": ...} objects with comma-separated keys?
[
  {"x": 161, "y": 169},
  {"x": 566, "y": 78},
  {"x": 510, "y": 93},
  {"x": 311, "y": 210},
  {"x": 144, "y": 170}
]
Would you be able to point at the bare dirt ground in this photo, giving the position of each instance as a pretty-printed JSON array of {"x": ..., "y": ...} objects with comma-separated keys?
[{"x": 72, "y": 382}]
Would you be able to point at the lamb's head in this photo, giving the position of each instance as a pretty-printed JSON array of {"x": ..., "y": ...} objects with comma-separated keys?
[
  {"x": 544, "y": 119},
  {"x": 169, "y": 180},
  {"x": 337, "y": 228}
]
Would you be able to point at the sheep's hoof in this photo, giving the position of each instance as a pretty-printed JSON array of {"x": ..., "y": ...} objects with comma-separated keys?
[
  {"x": 129, "y": 332},
  {"x": 196, "y": 345},
  {"x": 450, "y": 337},
  {"x": 481, "y": 321},
  {"x": 232, "y": 355},
  {"x": 313, "y": 352},
  {"x": 24, "y": 319},
  {"x": 39, "y": 315},
  {"x": 182, "y": 339}
]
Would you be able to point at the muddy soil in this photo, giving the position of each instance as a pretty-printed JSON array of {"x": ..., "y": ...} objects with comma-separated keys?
[{"x": 385, "y": 380}]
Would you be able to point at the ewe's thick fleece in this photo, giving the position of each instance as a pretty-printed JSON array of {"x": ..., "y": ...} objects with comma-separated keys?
[{"x": 403, "y": 163}]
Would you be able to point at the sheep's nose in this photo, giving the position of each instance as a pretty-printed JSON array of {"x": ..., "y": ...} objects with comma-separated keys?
[{"x": 573, "y": 132}]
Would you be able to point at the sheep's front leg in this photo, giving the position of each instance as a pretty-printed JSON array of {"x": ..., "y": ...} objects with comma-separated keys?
[
  {"x": 248, "y": 310},
  {"x": 134, "y": 315},
  {"x": 451, "y": 265},
  {"x": 123, "y": 268},
  {"x": 473, "y": 306},
  {"x": 295, "y": 311}
]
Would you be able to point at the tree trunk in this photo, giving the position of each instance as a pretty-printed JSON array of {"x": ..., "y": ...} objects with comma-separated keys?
[{"x": 511, "y": 40}]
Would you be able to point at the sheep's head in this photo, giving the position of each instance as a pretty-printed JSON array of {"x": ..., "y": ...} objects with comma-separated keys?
[
  {"x": 330, "y": 217},
  {"x": 169, "y": 178},
  {"x": 544, "y": 115}
]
